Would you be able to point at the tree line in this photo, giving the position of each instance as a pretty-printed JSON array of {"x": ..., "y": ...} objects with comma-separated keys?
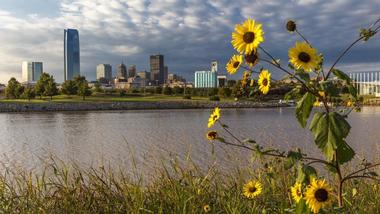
[{"x": 46, "y": 86}]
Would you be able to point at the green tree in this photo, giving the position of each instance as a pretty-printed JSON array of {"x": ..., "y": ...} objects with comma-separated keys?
[
  {"x": 29, "y": 93},
  {"x": 224, "y": 92},
  {"x": 98, "y": 87},
  {"x": 82, "y": 85},
  {"x": 231, "y": 83},
  {"x": 41, "y": 84},
  {"x": 69, "y": 87},
  {"x": 14, "y": 89},
  {"x": 50, "y": 89},
  {"x": 177, "y": 90},
  {"x": 167, "y": 91},
  {"x": 158, "y": 90}
]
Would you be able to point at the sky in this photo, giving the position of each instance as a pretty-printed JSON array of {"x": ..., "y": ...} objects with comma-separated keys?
[{"x": 189, "y": 33}]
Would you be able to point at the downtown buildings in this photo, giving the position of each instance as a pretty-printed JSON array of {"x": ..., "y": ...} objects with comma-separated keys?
[
  {"x": 31, "y": 71},
  {"x": 104, "y": 73},
  {"x": 71, "y": 54}
]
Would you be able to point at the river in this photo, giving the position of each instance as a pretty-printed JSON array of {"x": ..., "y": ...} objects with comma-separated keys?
[{"x": 141, "y": 139}]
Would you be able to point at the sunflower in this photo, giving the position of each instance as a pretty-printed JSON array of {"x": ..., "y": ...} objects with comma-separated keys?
[
  {"x": 252, "y": 58},
  {"x": 206, "y": 208},
  {"x": 264, "y": 81},
  {"x": 252, "y": 189},
  {"x": 234, "y": 64},
  {"x": 318, "y": 195},
  {"x": 303, "y": 56},
  {"x": 349, "y": 103},
  {"x": 215, "y": 115},
  {"x": 212, "y": 135},
  {"x": 297, "y": 191},
  {"x": 247, "y": 36}
]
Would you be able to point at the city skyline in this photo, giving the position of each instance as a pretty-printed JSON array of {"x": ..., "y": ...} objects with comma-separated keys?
[{"x": 189, "y": 35}]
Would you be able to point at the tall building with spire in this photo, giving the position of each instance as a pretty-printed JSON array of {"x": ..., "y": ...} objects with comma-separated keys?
[
  {"x": 71, "y": 54},
  {"x": 122, "y": 71}
]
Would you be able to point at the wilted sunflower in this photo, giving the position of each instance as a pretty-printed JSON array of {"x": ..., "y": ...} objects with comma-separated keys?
[
  {"x": 247, "y": 36},
  {"x": 297, "y": 191},
  {"x": 318, "y": 195},
  {"x": 252, "y": 58},
  {"x": 215, "y": 115},
  {"x": 212, "y": 135},
  {"x": 264, "y": 81},
  {"x": 252, "y": 189},
  {"x": 303, "y": 56},
  {"x": 206, "y": 208},
  {"x": 234, "y": 64}
]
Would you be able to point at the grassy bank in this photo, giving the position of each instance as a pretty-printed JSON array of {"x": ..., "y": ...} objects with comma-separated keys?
[
  {"x": 175, "y": 189},
  {"x": 108, "y": 98}
]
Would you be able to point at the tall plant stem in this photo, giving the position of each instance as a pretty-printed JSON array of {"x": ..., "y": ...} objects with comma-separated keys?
[{"x": 339, "y": 180}]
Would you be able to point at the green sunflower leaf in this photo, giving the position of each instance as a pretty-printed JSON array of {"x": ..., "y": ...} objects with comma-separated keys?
[
  {"x": 330, "y": 131},
  {"x": 304, "y": 107}
]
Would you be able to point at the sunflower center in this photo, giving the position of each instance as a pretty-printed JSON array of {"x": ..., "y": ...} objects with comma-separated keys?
[
  {"x": 251, "y": 58},
  {"x": 236, "y": 64},
  {"x": 249, "y": 37},
  {"x": 321, "y": 195},
  {"x": 252, "y": 189},
  {"x": 265, "y": 82},
  {"x": 304, "y": 57},
  {"x": 214, "y": 117},
  {"x": 299, "y": 192}
]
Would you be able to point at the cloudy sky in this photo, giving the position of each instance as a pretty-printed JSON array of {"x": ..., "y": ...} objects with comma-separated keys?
[{"x": 190, "y": 33}]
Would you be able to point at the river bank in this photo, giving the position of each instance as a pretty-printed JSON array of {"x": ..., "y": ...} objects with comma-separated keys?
[{"x": 134, "y": 105}]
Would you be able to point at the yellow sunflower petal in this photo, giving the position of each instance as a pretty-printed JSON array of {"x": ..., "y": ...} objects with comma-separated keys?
[
  {"x": 264, "y": 81},
  {"x": 247, "y": 36},
  {"x": 303, "y": 56}
]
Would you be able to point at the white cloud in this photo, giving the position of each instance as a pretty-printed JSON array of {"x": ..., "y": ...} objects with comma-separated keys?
[{"x": 189, "y": 32}]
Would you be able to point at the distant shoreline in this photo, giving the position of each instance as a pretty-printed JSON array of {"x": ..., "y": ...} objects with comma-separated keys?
[{"x": 130, "y": 105}]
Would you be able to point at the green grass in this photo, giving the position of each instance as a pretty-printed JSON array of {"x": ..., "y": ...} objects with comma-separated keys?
[
  {"x": 107, "y": 98},
  {"x": 174, "y": 189}
]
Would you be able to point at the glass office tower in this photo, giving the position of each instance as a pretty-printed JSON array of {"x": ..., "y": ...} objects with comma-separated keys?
[{"x": 72, "y": 54}]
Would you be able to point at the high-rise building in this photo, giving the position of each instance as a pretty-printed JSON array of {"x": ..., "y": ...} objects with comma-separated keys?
[
  {"x": 157, "y": 69},
  {"x": 31, "y": 71},
  {"x": 144, "y": 75},
  {"x": 104, "y": 71},
  {"x": 366, "y": 83},
  {"x": 122, "y": 71},
  {"x": 207, "y": 79},
  {"x": 71, "y": 54},
  {"x": 132, "y": 71},
  {"x": 166, "y": 70}
]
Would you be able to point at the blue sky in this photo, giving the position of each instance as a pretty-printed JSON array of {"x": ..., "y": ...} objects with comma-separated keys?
[{"x": 190, "y": 33}]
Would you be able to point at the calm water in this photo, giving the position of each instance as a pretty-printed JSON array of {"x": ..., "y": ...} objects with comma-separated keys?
[{"x": 147, "y": 137}]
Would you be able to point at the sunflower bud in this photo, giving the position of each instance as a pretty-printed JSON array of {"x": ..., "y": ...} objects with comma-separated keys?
[{"x": 291, "y": 26}]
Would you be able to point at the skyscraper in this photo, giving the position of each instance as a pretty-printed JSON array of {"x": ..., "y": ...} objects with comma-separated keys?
[
  {"x": 132, "y": 71},
  {"x": 31, "y": 71},
  {"x": 104, "y": 71},
  {"x": 122, "y": 71},
  {"x": 166, "y": 71},
  {"x": 157, "y": 69},
  {"x": 71, "y": 54}
]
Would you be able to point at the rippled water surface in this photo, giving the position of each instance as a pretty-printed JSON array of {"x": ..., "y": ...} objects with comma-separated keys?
[{"x": 144, "y": 138}]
